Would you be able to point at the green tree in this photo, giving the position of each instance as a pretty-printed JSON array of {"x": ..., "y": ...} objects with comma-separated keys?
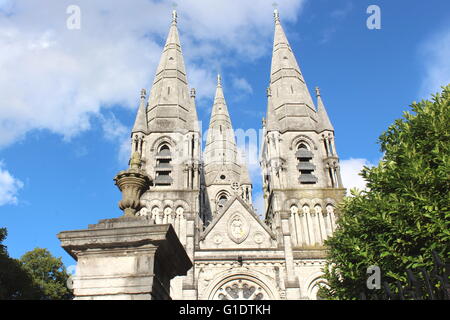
[
  {"x": 15, "y": 282},
  {"x": 405, "y": 214},
  {"x": 48, "y": 273}
]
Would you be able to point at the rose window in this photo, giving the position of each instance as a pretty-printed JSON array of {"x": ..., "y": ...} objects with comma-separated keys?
[{"x": 240, "y": 290}]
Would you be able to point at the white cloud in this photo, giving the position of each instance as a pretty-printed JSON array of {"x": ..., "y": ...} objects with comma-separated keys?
[
  {"x": 435, "y": 52},
  {"x": 9, "y": 186},
  {"x": 113, "y": 129},
  {"x": 116, "y": 131},
  {"x": 124, "y": 152},
  {"x": 350, "y": 170},
  {"x": 342, "y": 12},
  {"x": 337, "y": 16},
  {"x": 242, "y": 85},
  {"x": 56, "y": 79}
]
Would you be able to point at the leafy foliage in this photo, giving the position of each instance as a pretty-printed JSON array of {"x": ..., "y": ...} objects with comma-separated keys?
[
  {"x": 15, "y": 282},
  {"x": 48, "y": 273},
  {"x": 36, "y": 276},
  {"x": 405, "y": 214}
]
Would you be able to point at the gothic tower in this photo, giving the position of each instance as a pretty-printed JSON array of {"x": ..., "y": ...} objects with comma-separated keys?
[
  {"x": 208, "y": 200},
  {"x": 166, "y": 134},
  {"x": 301, "y": 178},
  {"x": 225, "y": 172}
]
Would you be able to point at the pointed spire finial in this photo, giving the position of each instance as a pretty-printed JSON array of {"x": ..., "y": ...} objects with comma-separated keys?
[
  {"x": 143, "y": 93},
  {"x": 174, "y": 16},
  {"x": 219, "y": 80},
  {"x": 317, "y": 92},
  {"x": 276, "y": 14}
]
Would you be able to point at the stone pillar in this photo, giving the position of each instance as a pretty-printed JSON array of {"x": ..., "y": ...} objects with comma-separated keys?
[
  {"x": 292, "y": 284},
  {"x": 189, "y": 287},
  {"x": 128, "y": 258}
]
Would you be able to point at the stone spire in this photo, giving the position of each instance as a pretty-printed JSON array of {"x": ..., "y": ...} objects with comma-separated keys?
[
  {"x": 221, "y": 155},
  {"x": 140, "y": 124},
  {"x": 194, "y": 115},
  {"x": 225, "y": 170},
  {"x": 271, "y": 123},
  {"x": 169, "y": 106},
  {"x": 220, "y": 143},
  {"x": 290, "y": 105},
  {"x": 324, "y": 122}
]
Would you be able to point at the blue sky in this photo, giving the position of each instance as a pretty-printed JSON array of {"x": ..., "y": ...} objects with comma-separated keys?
[{"x": 68, "y": 98}]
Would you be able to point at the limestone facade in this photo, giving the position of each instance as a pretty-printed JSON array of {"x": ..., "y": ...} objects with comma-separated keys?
[{"x": 207, "y": 197}]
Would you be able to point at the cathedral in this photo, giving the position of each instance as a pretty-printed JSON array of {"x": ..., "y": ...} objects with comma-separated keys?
[{"x": 206, "y": 195}]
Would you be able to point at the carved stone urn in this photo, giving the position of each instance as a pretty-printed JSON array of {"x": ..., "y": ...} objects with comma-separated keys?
[{"x": 132, "y": 183}]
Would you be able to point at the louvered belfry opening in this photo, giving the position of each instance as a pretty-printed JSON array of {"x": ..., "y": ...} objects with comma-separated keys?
[{"x": 305, "y": 166}]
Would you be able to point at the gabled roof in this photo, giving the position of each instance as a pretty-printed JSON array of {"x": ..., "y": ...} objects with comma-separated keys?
[{"x": 249, "y": 209}]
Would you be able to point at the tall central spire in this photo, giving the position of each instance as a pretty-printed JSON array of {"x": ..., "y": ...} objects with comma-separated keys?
[
  {"x": 169, "y": 105},
  {"x": 290, "y": 105},
  {"x": 221, "y": 154},
  {"x": 220, "y": 144}
]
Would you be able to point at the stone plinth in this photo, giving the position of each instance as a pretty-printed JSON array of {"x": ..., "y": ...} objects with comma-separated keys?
[{"x": 127, "y": 258}]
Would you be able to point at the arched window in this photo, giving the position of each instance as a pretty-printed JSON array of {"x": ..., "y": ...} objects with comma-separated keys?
[
  {"x": 163, "y": 167},
  {"x": 221, "y": 200}
]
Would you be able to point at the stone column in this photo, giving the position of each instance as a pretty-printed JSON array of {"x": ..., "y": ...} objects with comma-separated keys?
[
  {"x": 128, "y": 258},
  {"x": 304, "y": 227},
  {"x": 317, "y": 233},
  {"x": 294, "y": 233},
  {"x": 323, "y": 230},
  {"x": 310, "y": 226},
  {"x": 299, "y": 229}
]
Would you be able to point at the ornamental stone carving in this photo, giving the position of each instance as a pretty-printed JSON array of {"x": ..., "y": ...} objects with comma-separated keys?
[
  {"x": 258, "y": 237},
  {"x": 305, "y": 209},
  {"x": 179, "y": 211},
  {"x": 238, "y": 228},
  {"x": 294, "y": 209},
  {"x": 143, "y": 212},
  {"x": 318, "y": 209},
  {"x": 241, "y": 289},
  {"x": 217, "y": 238},
  {"x": 132, "y": 183}
]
